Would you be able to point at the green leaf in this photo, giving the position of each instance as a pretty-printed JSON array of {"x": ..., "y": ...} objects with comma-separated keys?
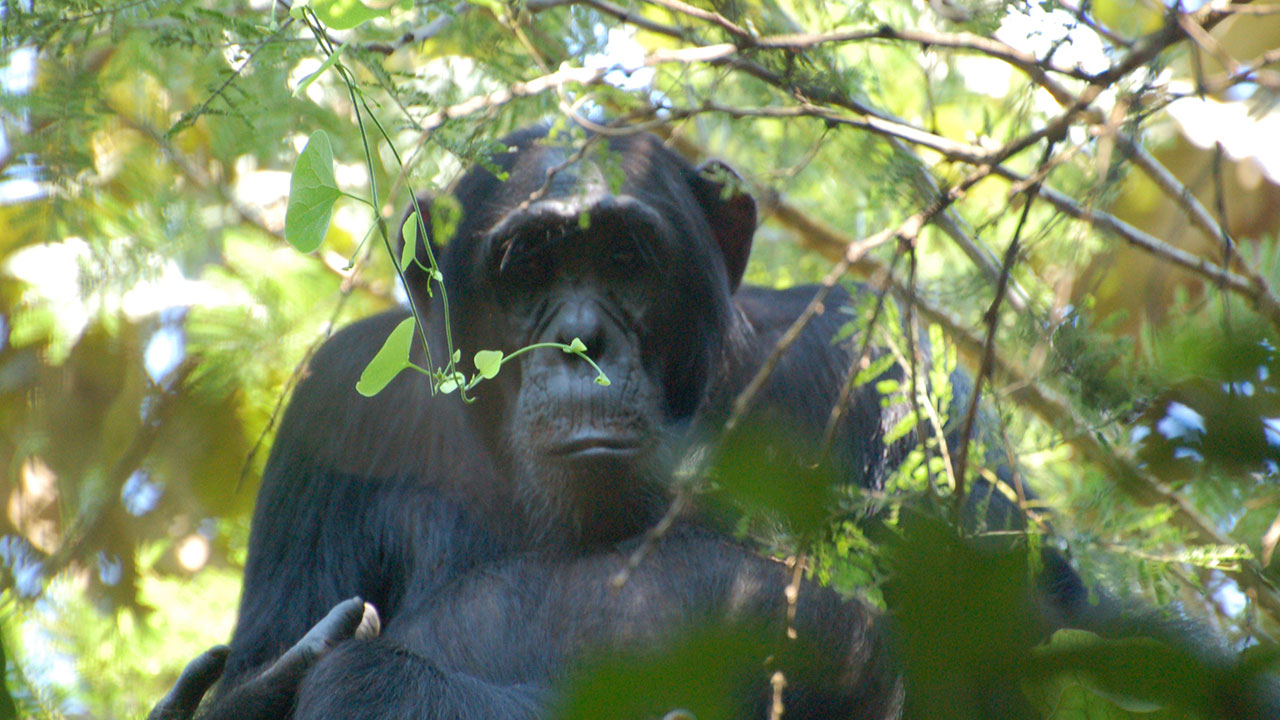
[
  {"x": 749, "y": 463},
  {"x": 576, "y": 346},
  {"x": 312, "y": 193},
  {"x": 488, "y": 362},
  {"x": 328, "y": 63},
  {"x": 449, "y": 383},
  {"x": 345, "y": 14},
  {"x": 905, "y": 424},
  {"x": 409, "y": 233},
  {"x": 695, "y": 675},
  {"x": 603, "y": 379},
  {"x": 874, "y": 369},
  {"x": 390, "y": 360}
]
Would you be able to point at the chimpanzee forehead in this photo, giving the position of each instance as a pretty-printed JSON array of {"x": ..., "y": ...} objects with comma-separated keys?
[
  {"x": 556, "y": 172},
  {"x": 599, "y": 168}
]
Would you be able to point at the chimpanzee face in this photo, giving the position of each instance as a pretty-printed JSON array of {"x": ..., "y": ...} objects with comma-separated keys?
[{"x": 634, "y": 253}]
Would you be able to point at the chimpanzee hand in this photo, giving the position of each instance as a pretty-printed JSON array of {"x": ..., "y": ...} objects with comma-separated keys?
[
  {"x": 196, "y": 679},
  {"x": 271, "y": 692}
]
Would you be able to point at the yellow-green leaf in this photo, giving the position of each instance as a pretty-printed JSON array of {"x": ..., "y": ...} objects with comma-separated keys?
[
  {"x": 488, "y": 362},
  {"x": 409, "y": 233},
  {"x": 345, "y": 14},
  {"x": 312, "y": 193},
  {"x": 392, "y": 357}
]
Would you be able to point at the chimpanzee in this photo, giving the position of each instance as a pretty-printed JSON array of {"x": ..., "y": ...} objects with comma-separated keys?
[{"x": 522, "y": 499}]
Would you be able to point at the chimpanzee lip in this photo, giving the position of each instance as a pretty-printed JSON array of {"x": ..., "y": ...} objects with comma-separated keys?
[{"x": 597, "y": 445}]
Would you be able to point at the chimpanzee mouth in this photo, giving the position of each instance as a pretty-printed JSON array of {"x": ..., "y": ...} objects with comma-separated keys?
[{"x": 597, "y": 446}]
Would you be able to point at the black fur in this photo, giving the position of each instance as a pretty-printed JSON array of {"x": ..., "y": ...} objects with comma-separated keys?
[{"x": 411, "y": 501}]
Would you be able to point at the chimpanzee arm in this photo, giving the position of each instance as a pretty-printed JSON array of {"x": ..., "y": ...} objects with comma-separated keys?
[
  {"x": 352, "y": 502},
  {"x": 377, "y": 680},
  {"x": 272, "y": 694},
  {"x": 502, "y": 641}
]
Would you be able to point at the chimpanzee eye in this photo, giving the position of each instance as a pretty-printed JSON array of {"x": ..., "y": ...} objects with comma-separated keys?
[
  {"x": 625, "y": 257},
  {"x": 526, "y": 261},
  {"x": 530, "y": 266}
]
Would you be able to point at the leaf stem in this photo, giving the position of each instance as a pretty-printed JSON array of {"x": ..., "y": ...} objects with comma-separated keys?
[{"x": 574, "y": 348}]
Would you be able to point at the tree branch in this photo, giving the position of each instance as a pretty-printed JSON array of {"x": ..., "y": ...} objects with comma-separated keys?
[{"x": 1132, "y": 479}]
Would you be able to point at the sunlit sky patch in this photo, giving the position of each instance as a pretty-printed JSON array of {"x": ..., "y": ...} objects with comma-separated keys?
[
  {"x": 1180, "y": 421},
  {"x": 52, "y": 272},
  {"x": 1207, "y": 122},
  {"x": 1040, "y": 32},
  {"x": 165, "y": 350},
  {"x": 626, "y": 58}
]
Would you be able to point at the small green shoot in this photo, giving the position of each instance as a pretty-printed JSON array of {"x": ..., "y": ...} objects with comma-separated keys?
[
  {"x": 393, "y": 357},
  {"x": 324, "y": 67},
  {"x": 488, "y": 362}
]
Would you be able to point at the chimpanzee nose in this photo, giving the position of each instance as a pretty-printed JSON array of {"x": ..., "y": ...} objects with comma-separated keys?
[{"x": 585, "y": 321}]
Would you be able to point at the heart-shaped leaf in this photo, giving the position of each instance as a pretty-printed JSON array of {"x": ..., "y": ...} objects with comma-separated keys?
[
  {"x": 449, "y": 383},
  {"x": 312, "y": 193},
  {"x": 488, "y": 363}
]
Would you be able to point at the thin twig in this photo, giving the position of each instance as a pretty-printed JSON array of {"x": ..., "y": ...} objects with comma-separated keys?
[
  {"x": 678, "y": 505},
  {"x": 617, "y": 11},
  {"x": 1034, "y": 67},
  {"x": 853, "y": 253},
  {"x": 857, "y": 364},
  {"x": 712, "y": 17},
  {"x": 988, "y": 350},
  {"x": 1103, "y": 30},
  {"x": 1133, "y": 480},
  {"x": 188, "y": 118}
]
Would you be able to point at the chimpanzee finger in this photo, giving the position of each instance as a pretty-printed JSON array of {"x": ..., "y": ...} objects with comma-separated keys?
[
  {"x": 340, "y": 624},
  {"x": 196, "y": 679}
]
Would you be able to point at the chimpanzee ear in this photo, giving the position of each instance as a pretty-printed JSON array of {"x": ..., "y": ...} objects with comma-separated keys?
[{"x": 731, "y": 211}]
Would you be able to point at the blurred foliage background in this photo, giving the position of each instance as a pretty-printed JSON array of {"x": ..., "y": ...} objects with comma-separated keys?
[{"x": 152, "y": 318}]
